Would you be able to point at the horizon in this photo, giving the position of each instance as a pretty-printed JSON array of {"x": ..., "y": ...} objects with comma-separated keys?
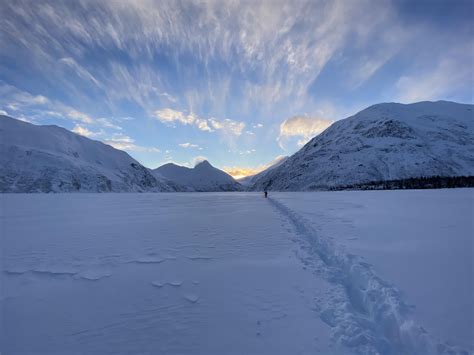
[
  {"x": 235, "y": 173},
  {"x": 181, "y": 82}
]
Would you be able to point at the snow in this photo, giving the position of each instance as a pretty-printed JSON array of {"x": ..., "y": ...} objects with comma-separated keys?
[
  {"x": 297, "y": 273},
  {"x": 387, "y": 141},
  {"x": 52, "y": 159},
  {"x": 422, "y": 241},
  {"x": 203, "y": 177}
]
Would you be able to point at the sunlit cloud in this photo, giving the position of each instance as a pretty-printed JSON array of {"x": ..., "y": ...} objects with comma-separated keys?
[
  {"x": 304, "y": 127},
  {"x": 240, "y": 172},
  {"x": 169, "y": 115},
  {"x": 84, "y": 131},
  {"x": 227, "y": 126}
]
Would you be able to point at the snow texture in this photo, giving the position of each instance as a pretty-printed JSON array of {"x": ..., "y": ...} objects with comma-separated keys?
[
  {"x": 52, "y": 159},
  {"x": 383, "y": 142},
  {"x": 379, "y": 272}
]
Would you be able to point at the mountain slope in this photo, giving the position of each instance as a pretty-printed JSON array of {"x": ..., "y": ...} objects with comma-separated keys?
[
  {"x": 250, "y": 180},
  {"x": 383, "y": 142},
  {"x": 203, "y": 177},
  {"x": 52, "y": 159}
]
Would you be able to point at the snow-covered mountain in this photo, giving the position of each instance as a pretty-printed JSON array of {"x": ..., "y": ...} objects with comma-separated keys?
[
  {"x": 387, "y": 141},
  {"x": 52, "y": 159},
  {"x": 203, "y": 177}
]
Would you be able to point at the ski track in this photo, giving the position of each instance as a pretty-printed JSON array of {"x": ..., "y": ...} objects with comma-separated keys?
[{"x": 366, "y": 313}]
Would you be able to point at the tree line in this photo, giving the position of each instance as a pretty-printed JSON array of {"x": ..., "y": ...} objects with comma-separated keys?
[{"x": 425, "y": 182}]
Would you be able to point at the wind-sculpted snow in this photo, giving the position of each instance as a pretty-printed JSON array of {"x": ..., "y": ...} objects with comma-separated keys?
[
  {"x": 383, "y": 142},
  {"x": 52, "y": 159},
  {"x": 218, "y": 273},
  {"x": 366, "y": 313}
]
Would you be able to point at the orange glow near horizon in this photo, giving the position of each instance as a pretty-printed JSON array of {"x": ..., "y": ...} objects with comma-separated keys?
[{"x": 239, "y": 173}]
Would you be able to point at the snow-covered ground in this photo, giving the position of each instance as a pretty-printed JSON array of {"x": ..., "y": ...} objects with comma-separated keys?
[{"x": 214, "y": 273}]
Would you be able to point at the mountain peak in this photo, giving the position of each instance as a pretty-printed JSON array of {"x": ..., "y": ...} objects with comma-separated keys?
[{"x": 203, "y": 164}]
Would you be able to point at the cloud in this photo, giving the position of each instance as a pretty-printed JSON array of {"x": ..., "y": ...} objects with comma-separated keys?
[
  {"x": 117, "y": 140},
  {"x": 83, "y": 131},
  {"x": 124, "y": 142},
  {"x": 80, "y": 71},
  {"x": 443, "y": 80},
  {"x": 227, "y": 126},
  {"x": 196, "y": 160},
  {"x": 40, "y": 107},
  {"x": 169, "y": 115},
  {"x": 189, "y": 145},
  {"x": 277, "y": 52},
  {"x": 241, "y": 172},
  {"x": 247, "y": 152},
  {"x": 79, "y": 116},
  {"x": 3, "y": 112},
  {"x": 203, "y": 125},
  {"x": 304, "y": 127},
  {"x": 105, "y": 122}
]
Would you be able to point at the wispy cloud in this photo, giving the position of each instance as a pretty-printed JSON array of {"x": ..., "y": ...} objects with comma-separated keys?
[
  {"x": 440, "y": 82},
  {"x": 22, "y": 103},
  {"x": 288, "y": 45},
  {"x": 91, "y": 62},
  {"x": 124, "y": 142}
]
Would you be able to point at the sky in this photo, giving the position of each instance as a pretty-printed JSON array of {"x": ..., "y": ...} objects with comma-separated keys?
[{"x": 240, "y": 83}]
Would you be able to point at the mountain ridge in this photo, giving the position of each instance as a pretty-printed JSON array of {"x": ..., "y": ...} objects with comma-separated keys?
[
  {"x": 50, "y": 158},
  {"x": 387, "y": 141},
  {"x": 203, "y": 177}
]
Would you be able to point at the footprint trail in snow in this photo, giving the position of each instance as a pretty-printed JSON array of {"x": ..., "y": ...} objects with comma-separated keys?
[{"x": 365, "y": 312}]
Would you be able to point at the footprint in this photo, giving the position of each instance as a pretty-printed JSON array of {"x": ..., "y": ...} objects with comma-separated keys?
[
  {"x": 193, "y": 298},
  {"x": 170, "y": 283},
  {"x": 175, "y": 283},
  {"x": 94, "y": 275}
]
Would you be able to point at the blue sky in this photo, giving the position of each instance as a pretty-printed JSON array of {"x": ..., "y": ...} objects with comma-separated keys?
[{"x": 239, "y": 83}]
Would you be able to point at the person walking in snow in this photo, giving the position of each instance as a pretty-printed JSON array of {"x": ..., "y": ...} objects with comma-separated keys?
[{"x": 266, "y": 193}]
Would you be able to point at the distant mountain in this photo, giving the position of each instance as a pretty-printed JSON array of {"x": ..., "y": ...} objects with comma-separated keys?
[
  {"x": 52, "y": 159},
  {"x": 250, "y": 180},
  {"x": 387, "y": 141},
  {"x": 203, "y": 177}
]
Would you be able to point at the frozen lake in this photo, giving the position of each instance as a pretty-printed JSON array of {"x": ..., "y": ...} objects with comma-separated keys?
[{"x": 214, "y": 273}]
